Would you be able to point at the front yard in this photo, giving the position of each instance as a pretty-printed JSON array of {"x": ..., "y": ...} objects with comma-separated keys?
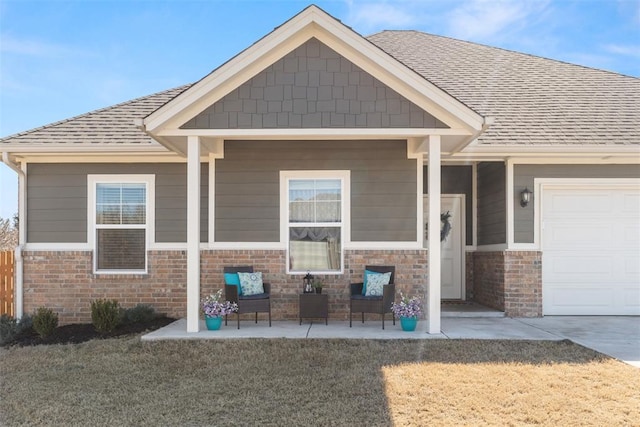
[{"x": 123, "y": 381}]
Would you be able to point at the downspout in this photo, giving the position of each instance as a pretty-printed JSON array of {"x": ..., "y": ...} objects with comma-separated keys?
[{"x": 22, "y": 179}]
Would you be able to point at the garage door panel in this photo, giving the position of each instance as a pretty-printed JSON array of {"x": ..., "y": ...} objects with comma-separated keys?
[
  {"x": 631, "y": 204},
  {"x": 631, "y": 236},
  {"x": 631, "y": 298},
  {"x": 579, "y": 268},
  {"x": 580, "y": 296},
  {"x": 591, "y": 251},
  {"x": 568, "y": 233},
  {"x": 570, "y": 204}
]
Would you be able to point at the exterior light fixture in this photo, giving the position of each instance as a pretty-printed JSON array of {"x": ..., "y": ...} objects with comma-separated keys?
[{"x": 525, "y": 197}]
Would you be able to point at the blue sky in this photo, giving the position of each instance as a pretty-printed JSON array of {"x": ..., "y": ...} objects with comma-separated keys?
[{"x": 59, "y": 59}]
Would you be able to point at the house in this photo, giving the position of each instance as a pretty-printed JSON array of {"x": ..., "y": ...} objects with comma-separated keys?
[{"x": 317, "y": 149}]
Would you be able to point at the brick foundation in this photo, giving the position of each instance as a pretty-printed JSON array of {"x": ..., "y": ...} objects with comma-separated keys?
[
  {"x": 64, "y": 281},
  {"x": 509, "y": 281}
]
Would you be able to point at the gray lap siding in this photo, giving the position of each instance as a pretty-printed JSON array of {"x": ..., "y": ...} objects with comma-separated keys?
[
  {"x": 524, "y": 176},
  {"x": 383, "y": 187},
  {"x": 57, "y": 199}
]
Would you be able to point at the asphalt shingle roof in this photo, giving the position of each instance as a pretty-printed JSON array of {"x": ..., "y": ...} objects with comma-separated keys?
[
  {"x": 110, "y": 125},
  {"x": 534, "y": 100}
]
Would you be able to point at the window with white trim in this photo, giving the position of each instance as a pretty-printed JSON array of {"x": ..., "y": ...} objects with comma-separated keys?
[
  {"x": 315, "y": 220},
  {"x": 120, "y": 224}
]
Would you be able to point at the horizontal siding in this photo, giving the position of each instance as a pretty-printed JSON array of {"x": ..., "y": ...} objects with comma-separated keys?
[
  {"x": 492, "y": 216},
  {"x": 56, "y": 203},
  {"x": 524, "y": 176},
  {"x": 383, "y": 186},
  {"x": 457, "y": 180},
  {"x": 57, "y": 200}
]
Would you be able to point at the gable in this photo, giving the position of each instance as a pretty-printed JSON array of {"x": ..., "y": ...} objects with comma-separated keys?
[{"x": 313, "y": 87}]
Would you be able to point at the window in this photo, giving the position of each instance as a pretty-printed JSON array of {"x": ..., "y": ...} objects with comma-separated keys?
[
  {"x": 120, "y": 212},
  {"x": 315, "y": 215}
]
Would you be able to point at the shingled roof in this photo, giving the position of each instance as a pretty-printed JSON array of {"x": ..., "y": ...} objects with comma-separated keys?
[
  {"x": 534, "y": 100},
  {"x": 111, "y": 125}
]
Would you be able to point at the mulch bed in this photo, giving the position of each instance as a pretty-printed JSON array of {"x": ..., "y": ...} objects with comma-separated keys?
[{"x": 81, "y": 332}]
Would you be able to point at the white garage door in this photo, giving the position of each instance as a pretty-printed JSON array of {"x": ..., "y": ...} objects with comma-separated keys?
[{"x": 591, "y": 250}]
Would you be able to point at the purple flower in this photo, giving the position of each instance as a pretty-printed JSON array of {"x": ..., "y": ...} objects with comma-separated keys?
[
  {"x": 407, "y": 307},
  {"x": 213, "y": 307}
]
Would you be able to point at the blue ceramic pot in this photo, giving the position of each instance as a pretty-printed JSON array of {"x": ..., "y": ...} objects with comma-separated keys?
[
  {"x": 408, "y": 323},
  {"x": 213, "y": 323}
]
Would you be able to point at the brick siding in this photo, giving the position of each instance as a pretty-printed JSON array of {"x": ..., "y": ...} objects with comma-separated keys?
[
  {"x": 64, "y": 281},
  {"x": 509, "y": 281}
]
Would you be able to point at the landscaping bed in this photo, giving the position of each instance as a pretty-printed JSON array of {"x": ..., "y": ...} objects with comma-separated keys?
[{"x": 82, "y": 332}]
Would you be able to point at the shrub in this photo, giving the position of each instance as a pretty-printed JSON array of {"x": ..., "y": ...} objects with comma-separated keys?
[
  {"x": 105, "y": 315},
  {"x": 141, "y": 313},
  {"x": 45, "y": 321},
  {"x": 8, "y": 328}
]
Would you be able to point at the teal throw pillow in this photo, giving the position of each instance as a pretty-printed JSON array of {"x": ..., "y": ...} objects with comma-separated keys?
[
  {"x": 251, "y": 283},
  {"x": 367, "y": 273},
  {"x": 375, "y": 284},
  {"x": 233, "y": 279}
]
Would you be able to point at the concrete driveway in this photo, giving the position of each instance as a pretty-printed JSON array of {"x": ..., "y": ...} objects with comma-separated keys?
[{"x": 616, "y": 336}]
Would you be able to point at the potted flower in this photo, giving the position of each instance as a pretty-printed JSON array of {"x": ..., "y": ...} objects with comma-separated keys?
[
  {"x": 213, "y": 309},
  {"x": 408, "y": 310}
]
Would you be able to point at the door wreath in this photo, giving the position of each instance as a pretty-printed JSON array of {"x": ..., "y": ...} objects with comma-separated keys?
[{"x": 445, "y": 228}]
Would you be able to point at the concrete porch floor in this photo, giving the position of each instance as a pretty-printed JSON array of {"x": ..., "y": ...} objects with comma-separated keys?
[{"x": 616, "y": 336}]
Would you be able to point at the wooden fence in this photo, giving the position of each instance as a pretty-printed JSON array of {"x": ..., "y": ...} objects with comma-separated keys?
[{"x": 7, "y": 280}]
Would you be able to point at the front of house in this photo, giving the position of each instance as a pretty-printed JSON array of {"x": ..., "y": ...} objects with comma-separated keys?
[{"x": 318, "y": 150}]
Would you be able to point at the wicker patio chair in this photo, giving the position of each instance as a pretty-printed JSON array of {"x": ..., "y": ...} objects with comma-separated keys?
[
  {"x": 260, "y": 303},
  {"x": 373, "y": 304}
]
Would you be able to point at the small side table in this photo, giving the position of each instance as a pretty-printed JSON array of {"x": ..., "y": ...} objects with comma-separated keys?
[{"x": 314, "y": 305}]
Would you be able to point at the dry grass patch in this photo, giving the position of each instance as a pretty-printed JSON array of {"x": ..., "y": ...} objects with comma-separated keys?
[{"x": 315, "y": 382}]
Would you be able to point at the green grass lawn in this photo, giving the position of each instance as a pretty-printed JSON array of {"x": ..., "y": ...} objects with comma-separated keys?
[{"x": 315, "y": 382}]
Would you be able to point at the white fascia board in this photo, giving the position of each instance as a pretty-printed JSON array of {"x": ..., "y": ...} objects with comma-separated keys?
[
  {"x": 102, "y": 158},
  {"x": 18, "y": 149},
  {"x": 315, "y": 133},
  {"x": 599, "y": 159},
  {"x": 515, "y": 150},
  {"x": 313, "y": 22},
  {"x": 230, "y": 75}
]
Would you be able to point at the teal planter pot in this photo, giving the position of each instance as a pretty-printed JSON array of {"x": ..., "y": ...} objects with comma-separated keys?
[
  {"x": 408, "y": 323},
  {"x": 213, "y": 323}
]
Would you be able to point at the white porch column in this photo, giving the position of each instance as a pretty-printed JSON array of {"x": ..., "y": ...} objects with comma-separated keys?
[
  {"x": 433, "y": 257},
  {"x": 193, "y": 234}
]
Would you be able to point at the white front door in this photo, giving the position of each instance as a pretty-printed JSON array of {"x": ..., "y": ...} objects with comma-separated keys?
[{"x": 452, "y": 256}]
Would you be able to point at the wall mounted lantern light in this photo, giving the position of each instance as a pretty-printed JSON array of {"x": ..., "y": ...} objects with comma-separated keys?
[{"x": 525, "y": 197}]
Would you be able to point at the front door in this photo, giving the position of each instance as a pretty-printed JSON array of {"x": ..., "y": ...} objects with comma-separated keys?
[{"x": 452, "y": 255}]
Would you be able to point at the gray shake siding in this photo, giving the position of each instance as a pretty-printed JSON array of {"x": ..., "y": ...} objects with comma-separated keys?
[
  {"x": 383, "y": 187},
  {"x": 57, "y": 200},
  {"x": 492, "y": 228},
  {"x": 313, "y": 87},
  {"x": 524, "y": 176},
  {"x": 457, "y": 180}
]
